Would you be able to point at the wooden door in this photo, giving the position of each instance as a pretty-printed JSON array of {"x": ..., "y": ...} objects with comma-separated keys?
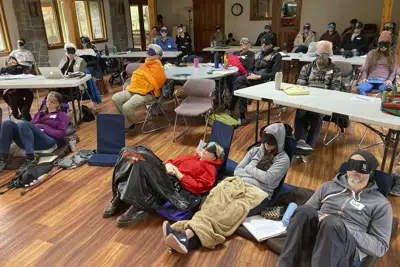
[{"x": 206, "y": 15}]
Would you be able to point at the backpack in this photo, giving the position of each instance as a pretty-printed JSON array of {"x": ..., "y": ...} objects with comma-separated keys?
[
  {"x": 223, "y": 117},
  {"x": 87, "y": 114}
]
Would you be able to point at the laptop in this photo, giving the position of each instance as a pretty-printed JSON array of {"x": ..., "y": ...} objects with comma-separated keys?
[{"x": 51, "y": 73}]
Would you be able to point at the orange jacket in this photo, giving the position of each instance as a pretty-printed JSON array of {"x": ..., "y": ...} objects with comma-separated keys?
[{"x": 149, "y": 77}]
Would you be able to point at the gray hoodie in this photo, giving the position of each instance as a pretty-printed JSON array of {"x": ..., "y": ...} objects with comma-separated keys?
[
  {"x": 367, "y": 214},
  {"x": 266, "y": 180}
]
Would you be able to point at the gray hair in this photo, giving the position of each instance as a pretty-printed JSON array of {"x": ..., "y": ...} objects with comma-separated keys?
[
  {"x": 325, "y": 47},
  {"x": 157, "y": 48}
]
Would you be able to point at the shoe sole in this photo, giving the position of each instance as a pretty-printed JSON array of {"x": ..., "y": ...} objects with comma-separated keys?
[
  {"x": 127, "y": 223},
  {"x": 109, "y": 215},
  {"x": 173, "y": 243},
  {"x": 395, "y": 194},
  {"x": 164, "y": 228}
]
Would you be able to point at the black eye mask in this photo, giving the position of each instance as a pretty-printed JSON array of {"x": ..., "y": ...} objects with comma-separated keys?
[
  {"x": 212, "y": 148},
  {"x": 384, "y": 44},
  {"x": 21, "y": 43},
  {"x": 360, "y": 166},
  {"x": 71, "y": 51}
]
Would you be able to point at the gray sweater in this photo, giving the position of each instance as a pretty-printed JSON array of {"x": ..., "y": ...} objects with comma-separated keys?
[
  {"x": 367, "y": 214},
  {"x": 266, "y": 180}
]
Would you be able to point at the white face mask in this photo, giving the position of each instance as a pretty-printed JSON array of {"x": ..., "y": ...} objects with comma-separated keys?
[{"x": 180, "y": 30}]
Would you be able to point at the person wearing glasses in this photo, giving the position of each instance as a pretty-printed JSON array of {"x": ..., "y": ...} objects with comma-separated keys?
[{"x": 380, "y": 68}]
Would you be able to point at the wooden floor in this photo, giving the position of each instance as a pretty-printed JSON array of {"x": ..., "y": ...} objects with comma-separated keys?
[{"x": 61, "y": 224}]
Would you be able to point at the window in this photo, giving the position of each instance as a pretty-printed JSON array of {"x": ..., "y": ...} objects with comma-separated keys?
[
  {"x": 261, "y": 9},
  {"x": 89, "y": 16},
  {"x": 5, "y": 46}
]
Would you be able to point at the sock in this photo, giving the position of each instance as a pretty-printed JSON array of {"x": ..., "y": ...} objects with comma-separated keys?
[{"x": 30, "y": 156}]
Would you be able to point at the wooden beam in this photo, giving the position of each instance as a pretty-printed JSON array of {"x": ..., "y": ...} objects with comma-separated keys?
[
  {"x": 72, "y": 21},
  {"x": 386, "y": 12},
  {"x": 398, "y": 49},
  {"x": 152, "y": 12}
]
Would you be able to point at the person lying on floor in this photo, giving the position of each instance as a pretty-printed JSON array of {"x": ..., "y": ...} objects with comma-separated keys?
[
  {"x": 178, "y": 181},
  {"x": 47, "y": 128},
  {"x": 19, "y": 100},
  {"x": 230, "y": 202},
  {"x": 345, "y": 220}
]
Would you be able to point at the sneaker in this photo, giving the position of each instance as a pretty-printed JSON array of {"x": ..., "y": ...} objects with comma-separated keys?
[
  {"x": 177, "y": 242},
  {"x": 301, "y": 144},
  {"x": 28, "y": 164},
  {"x": 396, "y": 187},
  {"x": 241, "y": 122},
  {"x": 130, "y": 129},
  {"x": 113, "y": 207},
  {"x": 167, "y": 229},
  {"x": 3, "y": 163},
  {"x": 131, "y": 216}
]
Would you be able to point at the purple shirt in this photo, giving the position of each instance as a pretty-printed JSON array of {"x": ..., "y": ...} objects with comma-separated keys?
[
  {"x": 54, "y": 124},
  {"x": 381, "y": 68}
]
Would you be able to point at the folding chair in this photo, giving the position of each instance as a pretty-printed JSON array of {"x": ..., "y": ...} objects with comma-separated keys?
[
  {"x": 158, "y": 103},
  {"x": 199, "y": 101},
  {"x": 127, "y": 73},
  {"x": 110, "y": 139}
]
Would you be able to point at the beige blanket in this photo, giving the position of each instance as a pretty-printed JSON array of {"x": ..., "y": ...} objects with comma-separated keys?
[{"x": 224, "y": 210}]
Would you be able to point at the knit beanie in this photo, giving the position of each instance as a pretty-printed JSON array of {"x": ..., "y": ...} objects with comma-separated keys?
[{"x": 385, "y": 36}]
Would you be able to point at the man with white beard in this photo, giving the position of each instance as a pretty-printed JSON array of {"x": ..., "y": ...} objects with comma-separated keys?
[{"x": 345, "y": 220}]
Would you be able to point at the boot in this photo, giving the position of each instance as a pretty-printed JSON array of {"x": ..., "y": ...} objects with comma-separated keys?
[
  {"x": 131, "y": 216},
  {"x": 3, "y": 162},
  {"x": 28, "y": 164},
  {"x": 115, "y": 206},
  {"x": 396, "y": 186}
]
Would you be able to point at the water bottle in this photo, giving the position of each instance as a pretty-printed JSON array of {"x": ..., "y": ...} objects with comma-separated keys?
[
  {"x": 288, "y": 213},
  {"x": 196, "y": 62},
  {"x": 226, "y": 62},
  {"x": 216, "y": 60},
  {"x": 284, "y": 48},
  {"x": 115, "y": 50},
  {"x": 278, "y": 80},
  {"x": 106, "y": 50}
]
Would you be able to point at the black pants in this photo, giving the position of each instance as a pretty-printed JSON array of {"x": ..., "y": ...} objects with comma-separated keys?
[
  {"x": 307, "y": 126},
  {"x": 20, "y": 101},
  {"x": 331, "y": 243},
  {"x": 240, "y": 83}
]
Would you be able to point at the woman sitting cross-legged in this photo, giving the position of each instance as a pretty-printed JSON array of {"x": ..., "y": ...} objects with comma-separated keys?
[
  {"x": 380, "y": 67},
  {"x": 143, "y": 183},
  {"x": 47, "y": 128}
]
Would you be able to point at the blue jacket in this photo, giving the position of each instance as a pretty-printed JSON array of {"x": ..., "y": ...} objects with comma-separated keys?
[{"x": 167, "y": 45}]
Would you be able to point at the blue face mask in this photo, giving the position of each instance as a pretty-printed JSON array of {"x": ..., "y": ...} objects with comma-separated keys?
[
  {"x": 331, "y": 26},
  {"x": 151, "y": 52},
  {"x": 164, "y": 31}
]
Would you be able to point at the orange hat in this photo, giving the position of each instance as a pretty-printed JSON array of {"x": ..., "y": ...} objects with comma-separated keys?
[{"x": 385, "y": 36}]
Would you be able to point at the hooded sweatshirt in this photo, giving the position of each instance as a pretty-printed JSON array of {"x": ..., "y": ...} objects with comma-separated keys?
[
  {"x": 367, "y": 214},
  {"x": 269, "y": 179},
  {"x": 198, "y": 175}
]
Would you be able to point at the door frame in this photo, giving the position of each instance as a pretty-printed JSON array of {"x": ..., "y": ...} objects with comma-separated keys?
[{"x": 141, "y": 26}]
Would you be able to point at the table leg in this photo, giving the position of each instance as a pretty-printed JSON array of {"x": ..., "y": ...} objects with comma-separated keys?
[
  {"x": 387, "y": 143},
  {"x": 257, "y": 115},
  {"x": 37, "y": 99},
  {"x": 71, "y": 94},
  {"x": 269, "y": 113},
  {"x": 394, "y": 152}
]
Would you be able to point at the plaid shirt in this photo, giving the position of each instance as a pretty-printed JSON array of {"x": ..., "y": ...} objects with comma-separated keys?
[{"x": 328, "y": 79}]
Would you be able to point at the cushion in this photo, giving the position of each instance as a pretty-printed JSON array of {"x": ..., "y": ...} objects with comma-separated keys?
[
  {"x": 110, "y": 142},
  {"x": 103, "y": 160}
]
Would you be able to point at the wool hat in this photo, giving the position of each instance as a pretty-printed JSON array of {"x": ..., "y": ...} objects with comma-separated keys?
[
  {"x": 385, "y": 36},
  {"x": 370, "y": 159},
  {"x": 156, "y": 48}
]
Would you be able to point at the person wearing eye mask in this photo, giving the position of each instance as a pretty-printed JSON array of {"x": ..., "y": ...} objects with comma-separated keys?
[
  {"x": 24, "y": 56},
  {"x": 218, "y": 36},
  {"x": 166, "y": 42},
  {"x": 345, "y": 220},
  {"x": 355, "y": 42},
  {"x": 390, "y": 27},
  {"x": 321, "y": 73},
  {"x": 380, "y": 68},
  {"x": 303, "y": 39},
  {"x": 71, "y": 62},
  {"x": 331, "y": 35},
  {"x": 184, "y": 44}
]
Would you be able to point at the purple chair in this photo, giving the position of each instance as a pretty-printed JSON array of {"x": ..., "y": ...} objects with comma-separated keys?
[
  {"x": 130, "y": 69},
  {"x": 199, "y": 101}
]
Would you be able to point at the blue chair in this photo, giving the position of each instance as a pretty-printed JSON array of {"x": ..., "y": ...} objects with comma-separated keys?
[
  {"x": 110, "y": 139},
  {"x": 222, "y": 134}
]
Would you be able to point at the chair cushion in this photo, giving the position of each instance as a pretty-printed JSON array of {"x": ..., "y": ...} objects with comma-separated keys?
[
  {"x": 110, "y": 141},
  {"x": 103, "y": 160},
  {"x": 230, "y": 167},
  {"x": 193, "y": 106}
]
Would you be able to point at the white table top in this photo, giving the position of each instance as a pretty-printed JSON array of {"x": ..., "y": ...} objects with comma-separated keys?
[
  {"x": 41, "y": 82},
  {"x": 198, "y": 73},
  {"x": 229, "y": 48},
  {"x": 355, "y": 61},
  {"x": 325, "y": 102},
  {"x": 142, "y": 54}
]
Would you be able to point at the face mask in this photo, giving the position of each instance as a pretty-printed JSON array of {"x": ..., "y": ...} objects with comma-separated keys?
[
  {"x": 71, "y": 51},
  {"x": 180, "y": 30},
  {"x": 384, "y": 44},
  {"x": 163, "y": 32},
  {"x": 151, "y": 52},
  {"x": 359, "y": 166},
  {"x": 21, "y": 43},
  {"x": 212, "y": 148},
  {"x": 331, "y": 26},
  {"x": 306, "y": 28}
]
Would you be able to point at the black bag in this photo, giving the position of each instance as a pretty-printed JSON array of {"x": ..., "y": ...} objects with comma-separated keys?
[{"x": 87, "y": 114}]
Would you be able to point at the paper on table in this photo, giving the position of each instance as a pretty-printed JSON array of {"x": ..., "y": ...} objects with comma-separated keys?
[
  {"x": 17, "y": 77},
  {"x": 362, "y": 98},
  {"x": 263, "y": 229}
]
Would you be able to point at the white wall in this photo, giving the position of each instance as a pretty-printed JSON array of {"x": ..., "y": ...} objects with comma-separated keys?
[{"x": 12, "y": 26}]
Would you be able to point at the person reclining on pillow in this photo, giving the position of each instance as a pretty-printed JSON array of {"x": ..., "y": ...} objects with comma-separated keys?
[
  {"x": 344, "y": 220},
  {"x": 47, "y": 128},
  {"x": 229, "y": 203},
  {"x": 188, "y": 175}
]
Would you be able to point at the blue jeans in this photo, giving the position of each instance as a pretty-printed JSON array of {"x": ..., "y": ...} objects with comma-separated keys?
[
  {"x": 356, "y": 54},
  {"x": 26, "y": 135},
  {"x": 363, "y": 88}
]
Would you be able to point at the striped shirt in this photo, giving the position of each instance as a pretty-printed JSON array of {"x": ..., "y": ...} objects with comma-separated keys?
[{"x": 328, "y": 79}]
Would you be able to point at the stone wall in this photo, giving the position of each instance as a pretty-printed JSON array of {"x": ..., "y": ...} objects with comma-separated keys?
[
  {"x": 119, "y": 24},
  {"x": 32, "y": 30}
]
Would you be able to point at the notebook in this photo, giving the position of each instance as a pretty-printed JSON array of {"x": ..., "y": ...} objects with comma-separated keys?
[
  {"x": 263, "y": 229},
  {"x": 296, "y": 90}
]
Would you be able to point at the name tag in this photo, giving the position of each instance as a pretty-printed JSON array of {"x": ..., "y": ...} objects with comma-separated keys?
[
  {"x": 329, "y": 72},
  {"x": 358, "y": 38},
  {"x": 356, "y": 204},
  {"x": 53, "y": 116},
  {"x": 169, "y": 46}
]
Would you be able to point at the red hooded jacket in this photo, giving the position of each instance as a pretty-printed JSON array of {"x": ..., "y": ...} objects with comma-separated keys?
[{"x": 198, "y": 175}]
